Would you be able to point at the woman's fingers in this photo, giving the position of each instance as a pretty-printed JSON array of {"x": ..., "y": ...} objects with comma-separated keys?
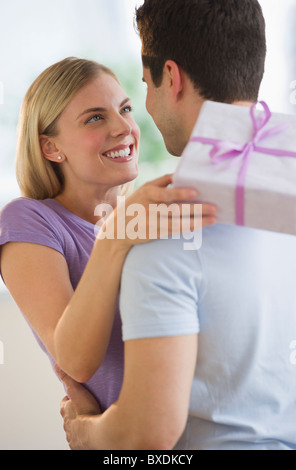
[
  {"x": 180, "y": 218},
  {"x": 82, "y": 400},
  {"x": 159, "y": 190},
  {"x": 180, "y": 210},
  {"x": 209, "y": 209},
  {"x": 208, "y": 220},
  {"x": 158, "y": 194},
  {"x": 162, "y": 181},
  {"x": 196, "y": 209}
]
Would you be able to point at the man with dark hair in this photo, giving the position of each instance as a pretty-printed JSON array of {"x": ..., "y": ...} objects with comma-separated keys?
[
  {"x": 220, "y": 45},
  {"x": 208, "y": 333}
]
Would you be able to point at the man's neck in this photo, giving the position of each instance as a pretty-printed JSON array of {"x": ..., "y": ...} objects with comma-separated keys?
[{"x": 243, "y": 103}]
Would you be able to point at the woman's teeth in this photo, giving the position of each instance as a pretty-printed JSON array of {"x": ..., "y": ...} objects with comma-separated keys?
[{"x": 119, "y": 154}]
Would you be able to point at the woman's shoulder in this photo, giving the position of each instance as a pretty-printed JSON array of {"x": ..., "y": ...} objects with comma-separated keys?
[
  {"x": 26, "y": 209},
  {"x": 25, "y": 214},
  {"x": 22, "y": 205},
  {"x": 29, "y": 220}
]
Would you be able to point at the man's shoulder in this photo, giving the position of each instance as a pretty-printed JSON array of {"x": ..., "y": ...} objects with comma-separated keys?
[
  {"x": 162, "y": 248},
  {"x": 161, "y": 254},
  {"x": 159, "y": 290}
]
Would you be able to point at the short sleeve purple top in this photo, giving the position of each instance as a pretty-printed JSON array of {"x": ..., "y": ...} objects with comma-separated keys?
[{"x": 48, "y": 223}]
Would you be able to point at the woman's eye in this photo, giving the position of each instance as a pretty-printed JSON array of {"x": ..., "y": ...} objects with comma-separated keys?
[{"x": 94, "y": 119}]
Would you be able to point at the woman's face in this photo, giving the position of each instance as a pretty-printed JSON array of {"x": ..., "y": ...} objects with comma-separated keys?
[{"x": 98, "y": 137}]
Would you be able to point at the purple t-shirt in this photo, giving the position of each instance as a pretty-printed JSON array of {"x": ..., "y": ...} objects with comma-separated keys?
[{"x": 48, "y": 223}]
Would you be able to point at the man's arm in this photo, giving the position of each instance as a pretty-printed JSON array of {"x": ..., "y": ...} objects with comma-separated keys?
[{"x": 152, "y": 408}]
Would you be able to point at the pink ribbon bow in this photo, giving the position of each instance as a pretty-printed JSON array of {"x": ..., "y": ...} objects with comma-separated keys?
[{"x": 234, "y": 150}]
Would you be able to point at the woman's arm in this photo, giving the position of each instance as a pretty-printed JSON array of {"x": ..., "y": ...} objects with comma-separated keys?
[
  {"x": 75, "y": 327},
  {"x": 83, "y": 331}
]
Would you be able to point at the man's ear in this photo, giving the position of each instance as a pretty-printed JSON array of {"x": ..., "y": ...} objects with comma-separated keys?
[
  {"x": 175, "y": 76},
  {"x": 49, "y": 149}
]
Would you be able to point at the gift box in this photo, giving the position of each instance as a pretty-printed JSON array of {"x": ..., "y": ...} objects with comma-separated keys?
[{"x": 243, "y": 159}]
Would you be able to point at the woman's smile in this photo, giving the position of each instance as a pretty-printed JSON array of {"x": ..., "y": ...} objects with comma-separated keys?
[{"x": 121, "y": 154}]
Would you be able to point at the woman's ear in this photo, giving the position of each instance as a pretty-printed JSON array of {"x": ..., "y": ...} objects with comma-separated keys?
[{"x": 49, "y": 149}]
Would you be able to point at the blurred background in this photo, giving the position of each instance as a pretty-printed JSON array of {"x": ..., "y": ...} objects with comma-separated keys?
[{"x": 33, "y": 35}]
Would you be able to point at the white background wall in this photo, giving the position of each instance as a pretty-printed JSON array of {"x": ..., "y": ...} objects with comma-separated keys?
[
  {"x": 30, "y": 393},
  {"x": 33, "y": 35}
]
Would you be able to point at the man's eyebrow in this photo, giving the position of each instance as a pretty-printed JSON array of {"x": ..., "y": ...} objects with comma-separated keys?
[{"x": 101, "y": 110}]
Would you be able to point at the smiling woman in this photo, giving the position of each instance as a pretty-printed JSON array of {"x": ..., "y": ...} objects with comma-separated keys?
[
  {"x": 94, "y": 132},
  {"x": 78, "y": 145},
  {"x": 77, "y": 86}
]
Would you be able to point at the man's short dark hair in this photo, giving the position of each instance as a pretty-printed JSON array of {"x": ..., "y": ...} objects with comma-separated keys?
[{"x": 220, "y": 44}]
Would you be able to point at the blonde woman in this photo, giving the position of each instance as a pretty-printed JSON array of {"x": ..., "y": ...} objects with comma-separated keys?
[{"x": 78, "y": 146}]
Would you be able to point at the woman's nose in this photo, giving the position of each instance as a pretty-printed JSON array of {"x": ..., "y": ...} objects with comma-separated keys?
[{"x": 121, "y": 126}]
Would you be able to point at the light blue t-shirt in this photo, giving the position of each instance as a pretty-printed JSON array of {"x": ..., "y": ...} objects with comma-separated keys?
[{"x": 238, "y": 292}]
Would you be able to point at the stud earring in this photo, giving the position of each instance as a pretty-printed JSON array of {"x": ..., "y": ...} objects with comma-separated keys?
[{"x": 59, "y": 158}]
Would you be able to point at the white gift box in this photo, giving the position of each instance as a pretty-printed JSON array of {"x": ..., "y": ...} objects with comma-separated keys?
[{"x": 243, "y": 160}]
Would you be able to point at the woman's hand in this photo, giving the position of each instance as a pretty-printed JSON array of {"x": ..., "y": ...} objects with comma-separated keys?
[
  {"x": 157, "y": 211},
  {"x": 75, "y": 408}
]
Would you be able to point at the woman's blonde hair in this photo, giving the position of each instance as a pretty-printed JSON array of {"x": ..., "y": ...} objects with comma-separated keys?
[{"x": 46, "y": 99}]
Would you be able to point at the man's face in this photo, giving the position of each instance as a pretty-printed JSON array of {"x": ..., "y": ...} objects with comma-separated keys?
[
  {"x": 158, "y": 105},
  {"x": 154, "y": 98}
]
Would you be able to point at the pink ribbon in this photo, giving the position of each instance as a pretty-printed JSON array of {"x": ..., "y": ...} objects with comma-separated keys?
[{"x": 234, "y": 150}]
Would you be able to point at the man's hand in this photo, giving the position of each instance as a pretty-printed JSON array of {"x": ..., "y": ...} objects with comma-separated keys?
[{"x": 76, "y": 408}]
